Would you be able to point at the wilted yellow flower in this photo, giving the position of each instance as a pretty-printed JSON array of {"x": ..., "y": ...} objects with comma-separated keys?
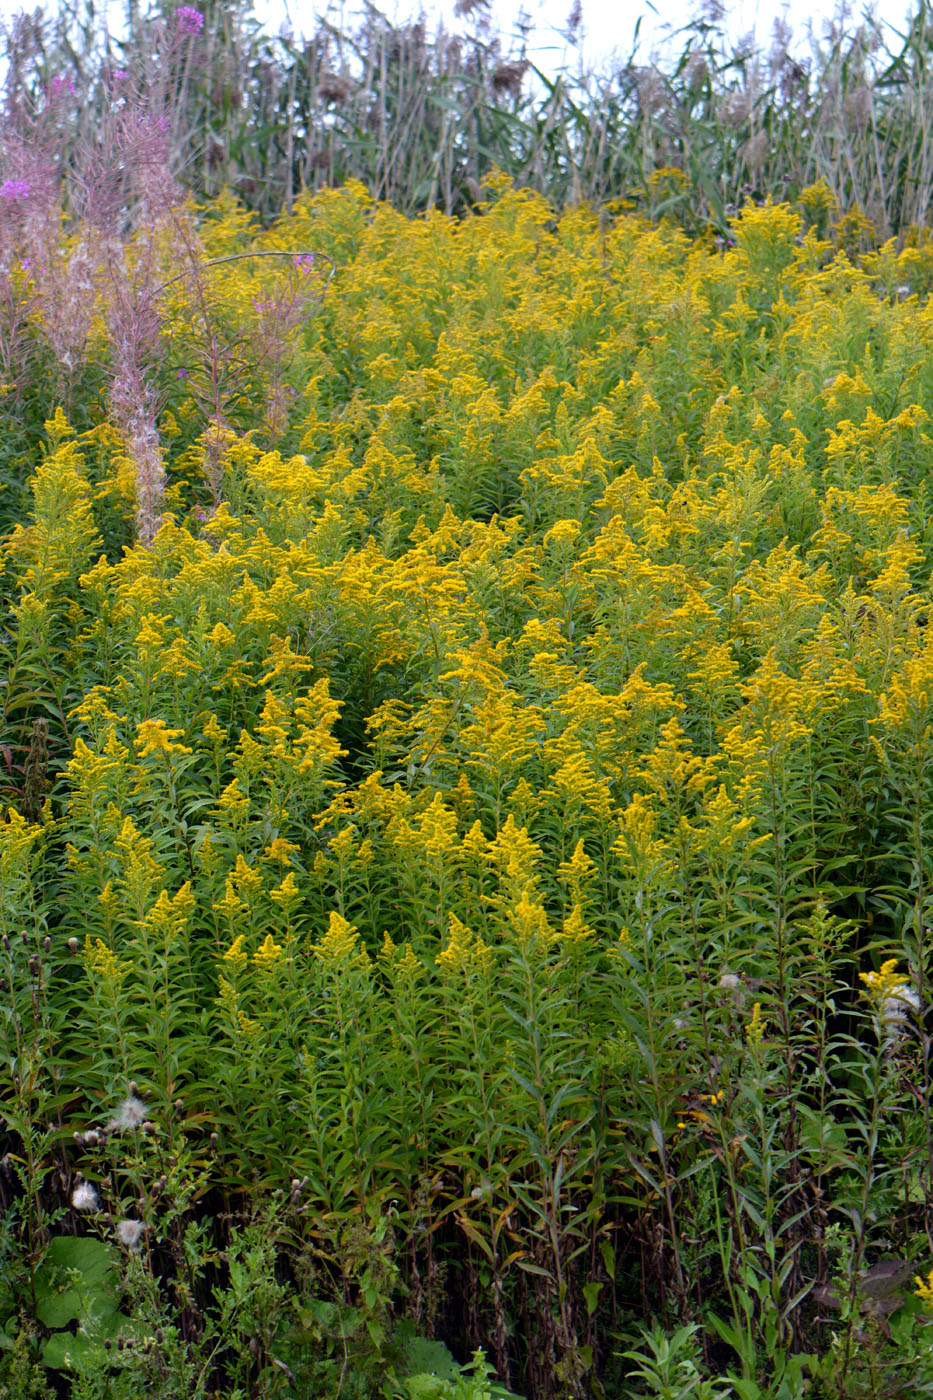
[{"x": 103, "y": 962}]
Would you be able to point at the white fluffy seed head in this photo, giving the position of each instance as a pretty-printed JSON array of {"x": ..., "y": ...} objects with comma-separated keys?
[
  {"x": 130, "y": 1232},
  {"x": 85, "y": 1197},
  {"x": 132, "y": 1113}
]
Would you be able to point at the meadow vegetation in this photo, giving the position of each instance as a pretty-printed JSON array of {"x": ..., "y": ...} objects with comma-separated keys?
[{"x": 466, "y": 872}]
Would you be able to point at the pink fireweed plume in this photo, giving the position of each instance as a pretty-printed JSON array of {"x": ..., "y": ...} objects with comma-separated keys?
[
  {"x": 132, "y": 405},
  {"x": 14, "y": 189},
  {"x": 189, "y": 20}
]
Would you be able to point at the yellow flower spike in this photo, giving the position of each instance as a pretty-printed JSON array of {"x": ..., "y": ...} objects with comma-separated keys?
[
  {"x": 437, "y": 828},
  {"x": 885, "y": 984},
  {"x": 564, "y": 533},
  {"x": 235, "y": 955},
  {"x": 754, "y": 1031},
  {"x": 231, "y": 906},
  {"x": 578, "y": 871},
  {"x": 513, "y": 850},
  {"x": 408, "y": 966},
  {"x": 103, "y": 963},
  {"x": 575, "y": 931},
  {"x": 340, "y": 944},
  {"x": 213, "y": 730},
  {"x": 247, "y": 880},
  {"x": 280, "y": 849},
  {"x": 249, "y": 1029},
  {"x": 454, "y": 957},
  {"x": 341, "y": 846},
  {"x": 268, "y": 954},
  {"x": 924, "y": 1288},
  {"x": 156, "y": 737},
  {"x": 233, "y": 803},
  {"x": 529, "y": 920},
  {"x": 286, "y": 895}
]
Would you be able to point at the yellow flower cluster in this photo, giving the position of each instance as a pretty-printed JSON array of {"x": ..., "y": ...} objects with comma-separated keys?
[{"x": 595, "y": 587}]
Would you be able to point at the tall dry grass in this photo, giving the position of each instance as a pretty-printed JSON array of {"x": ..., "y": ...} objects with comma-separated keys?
[{"x": 422, "y": 118}]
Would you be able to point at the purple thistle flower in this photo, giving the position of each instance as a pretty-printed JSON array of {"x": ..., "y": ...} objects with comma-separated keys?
[{"x": 189, "y": 20}]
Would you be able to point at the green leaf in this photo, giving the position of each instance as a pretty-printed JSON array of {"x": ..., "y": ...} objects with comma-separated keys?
[
  {"x": 591, "y": 1292},
  {"x": 75, "y": 1282},
  {"x": 424, "y": 1356}
]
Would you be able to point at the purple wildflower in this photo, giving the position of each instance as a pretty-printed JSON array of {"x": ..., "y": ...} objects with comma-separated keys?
[
  {"x": 189, "y": 20},
  {"x": 305, "y": 262},
  {"x": 60, "y": 84},
  {"x": 182, "y": 374},
  {"x": 14, "y": 189}
]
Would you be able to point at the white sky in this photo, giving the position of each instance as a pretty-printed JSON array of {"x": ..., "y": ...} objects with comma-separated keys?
[{"x": 608, "y": 25}]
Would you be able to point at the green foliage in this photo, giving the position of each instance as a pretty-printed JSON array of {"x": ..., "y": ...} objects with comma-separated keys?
[{"x": 468, "y": 876}]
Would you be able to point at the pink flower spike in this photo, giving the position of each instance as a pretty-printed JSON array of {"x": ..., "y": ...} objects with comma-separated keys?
[{"x": 189, "y": 20}]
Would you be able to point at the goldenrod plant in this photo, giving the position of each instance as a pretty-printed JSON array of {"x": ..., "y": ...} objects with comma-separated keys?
[{"x": 465, "y": 872}]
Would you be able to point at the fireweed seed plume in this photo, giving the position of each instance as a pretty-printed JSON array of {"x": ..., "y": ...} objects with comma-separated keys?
[
  {"x": 33, "y": 153},
  {"x": 139, "y": 186}
]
